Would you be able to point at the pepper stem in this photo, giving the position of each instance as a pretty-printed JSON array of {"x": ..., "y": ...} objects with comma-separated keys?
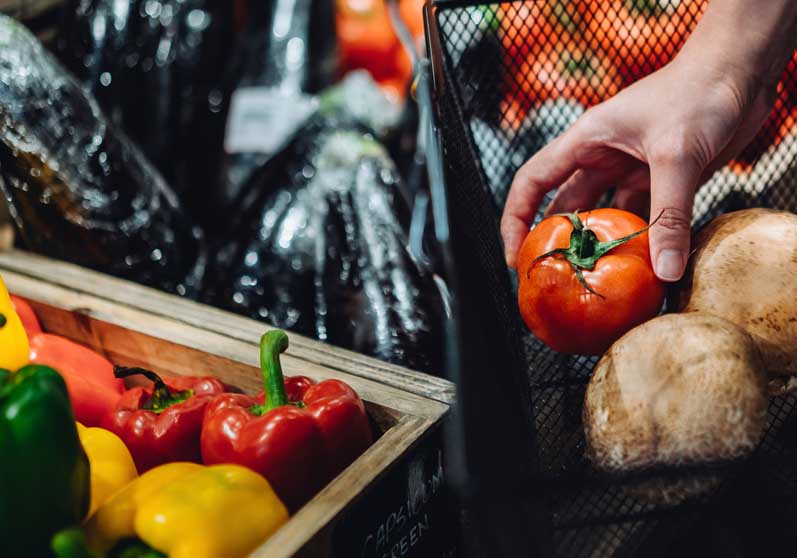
[
  {"x": 271, "y": 345},
  {"x": 585, "y": 249},
  {"x": 162, "y": 397},
  {"x": 3, "y": 319},
  {"x": 71, "y": 543}
]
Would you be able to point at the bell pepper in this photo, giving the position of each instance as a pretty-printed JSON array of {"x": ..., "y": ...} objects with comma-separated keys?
[
  {"x": 162, "y": 423},
  {"x": 29, "y": 320},
  {"x": 187, "y": 510},
  {"x": 297, "y": 434},
  {"x": 88, "y": 375},
  {"x": 14, "y": 349},
  {"x": 44, "y": 472},
  {"x": 110, "y": 462}
]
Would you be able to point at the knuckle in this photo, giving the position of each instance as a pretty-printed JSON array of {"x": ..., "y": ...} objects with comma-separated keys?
[
  {"x": 672, "y": 219},
  {"x": 681, "y": 147}
]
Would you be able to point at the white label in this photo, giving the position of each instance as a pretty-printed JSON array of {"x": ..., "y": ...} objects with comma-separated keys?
[{"x": 263, "y": 119}]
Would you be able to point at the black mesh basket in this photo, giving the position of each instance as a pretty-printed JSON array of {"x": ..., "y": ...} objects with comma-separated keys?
[{"x": 508, "y": 78}]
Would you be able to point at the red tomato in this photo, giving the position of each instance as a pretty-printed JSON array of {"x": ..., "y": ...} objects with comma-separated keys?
[
  {"x": 411, "y": 12},
  {"x": 568, "y": 69},
  {"x": 779, "y": 124},
  {"x": 642, "y": 37},
  {"x": 527, "y": 27},
  {"x": 367, "y": 40},
  {"x": 560, "y": 310}
]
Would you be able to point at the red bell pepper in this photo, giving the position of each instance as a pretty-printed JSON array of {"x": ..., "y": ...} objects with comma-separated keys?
[
  {"x": 29, "y": 320},
  {"x": 89, "y": 378},
  {"x": 297, "y": 434},
  {"x": 162, "y": 423}
]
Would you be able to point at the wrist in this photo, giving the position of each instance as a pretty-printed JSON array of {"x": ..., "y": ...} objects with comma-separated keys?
[{"x": 744, "y": 44}]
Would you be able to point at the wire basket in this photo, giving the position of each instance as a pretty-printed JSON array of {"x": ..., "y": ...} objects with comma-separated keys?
[{"x": 509, "y": 78}]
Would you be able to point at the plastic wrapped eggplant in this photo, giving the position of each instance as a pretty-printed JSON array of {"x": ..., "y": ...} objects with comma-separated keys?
[
  {"x": 155, "y": 66},
  {"x": 286, "y": 51},
  {"x": 321, "y": 250},
  {"x": 78, "y": 190}
]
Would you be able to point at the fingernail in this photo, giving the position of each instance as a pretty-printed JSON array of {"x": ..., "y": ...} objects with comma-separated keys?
[{"x": 670, "y": 265}]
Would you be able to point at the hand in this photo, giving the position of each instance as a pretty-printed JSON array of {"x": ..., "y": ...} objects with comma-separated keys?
[{"x": 665, "y": 135}]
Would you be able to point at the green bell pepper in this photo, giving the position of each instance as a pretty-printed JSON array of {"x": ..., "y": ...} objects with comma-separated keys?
[{"x": 44, "y": 472}]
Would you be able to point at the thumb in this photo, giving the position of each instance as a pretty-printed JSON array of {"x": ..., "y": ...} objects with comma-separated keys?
[{"x": 672, "y": 193}]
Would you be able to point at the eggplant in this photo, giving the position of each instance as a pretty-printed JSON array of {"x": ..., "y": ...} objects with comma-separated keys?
[
  {"x": 77, "y": 188},
  {"x": 319, "y": 249},
  {"x": 287, "y": 49},
  {"x": 156, "y": 69}
]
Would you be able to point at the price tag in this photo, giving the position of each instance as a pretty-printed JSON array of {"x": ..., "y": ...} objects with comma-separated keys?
[{"x": 264, "y": 119}]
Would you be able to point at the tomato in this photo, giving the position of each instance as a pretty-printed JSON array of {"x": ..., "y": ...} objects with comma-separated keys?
[
  {"x": 560, "y": 310},
  {"x": 367, "y": 40},
  {"x": 642, "y": 36},
  {"x": 567, "y": 69},
  {"x": 527, "y": 27},
  {"x": 779, "y": 124},
  {"x": 411, "y": 12}
]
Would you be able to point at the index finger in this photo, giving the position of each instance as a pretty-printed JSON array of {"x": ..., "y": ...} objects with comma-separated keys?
[{"x": 547, "y": 169}]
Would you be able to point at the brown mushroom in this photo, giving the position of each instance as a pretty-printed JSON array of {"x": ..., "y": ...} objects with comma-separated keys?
[
  {"x": 679, "y": 390},
  {"x": 744, "y": 269}
]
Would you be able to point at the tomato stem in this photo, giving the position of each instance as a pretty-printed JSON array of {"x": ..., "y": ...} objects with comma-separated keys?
[{"x": 585, "y": 249}]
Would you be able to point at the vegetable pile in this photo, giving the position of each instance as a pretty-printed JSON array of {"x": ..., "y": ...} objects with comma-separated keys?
[
  {"x": 220, "y": 471},
  {"x": 691, "y": 389}
]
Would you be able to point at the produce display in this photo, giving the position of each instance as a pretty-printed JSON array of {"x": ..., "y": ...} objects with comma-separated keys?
[
  {"x": 581, "y": 54},
  {"x": 219, "y": 471},
  {"x": 194, "y": 150},
  {"x": 691, "y": 389},
  {"x": 586, "y": 278}
]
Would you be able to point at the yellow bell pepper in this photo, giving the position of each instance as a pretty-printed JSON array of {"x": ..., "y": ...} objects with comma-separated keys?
[
  {"x": 111, "y": 464},
  {"x": 14, "y": 348},
  {"x": 187, "y": 510}
]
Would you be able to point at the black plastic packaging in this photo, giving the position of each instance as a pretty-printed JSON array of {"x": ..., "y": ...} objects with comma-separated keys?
[
  {"x": 319, "y": 248},
  {"x": 78, "y": 189}
]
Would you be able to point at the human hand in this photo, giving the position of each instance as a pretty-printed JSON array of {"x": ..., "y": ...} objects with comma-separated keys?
[{"x": 665, "y": 135}]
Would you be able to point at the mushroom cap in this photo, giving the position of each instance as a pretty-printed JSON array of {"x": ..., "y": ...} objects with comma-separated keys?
[
  {"x": 681, "y": 389},
  {"x": 743, "y": 269}
]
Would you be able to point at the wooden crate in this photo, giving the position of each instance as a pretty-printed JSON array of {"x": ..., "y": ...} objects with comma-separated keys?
[{"x": 390, "y": 502}]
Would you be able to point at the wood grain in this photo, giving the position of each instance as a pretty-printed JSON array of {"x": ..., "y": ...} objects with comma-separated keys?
[
  {"x": 204, "y": 317},
  {"x": 132, "y": 337}
]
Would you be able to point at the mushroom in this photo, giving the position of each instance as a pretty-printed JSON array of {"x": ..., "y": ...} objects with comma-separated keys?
[
  {"x": 744, "y": 269},
  {"x": 678, "y": 390}
]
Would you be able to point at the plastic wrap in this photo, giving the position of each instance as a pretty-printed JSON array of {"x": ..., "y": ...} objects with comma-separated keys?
[
  {"x": 155, "y": 66},
  {"x": 77, "y": 188},
  {"x": 286, "y": 50},
  {"x": 322, "y": 250}
]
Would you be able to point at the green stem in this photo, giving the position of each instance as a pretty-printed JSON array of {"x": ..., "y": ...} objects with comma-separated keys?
[
  {"x": 3, "y": 320},
  {"x": 71, "y": 543},
  {"x": 272, "y": 344},
  {"x": 162, "y": 397},
  {"x": 585, "y": 249}
]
